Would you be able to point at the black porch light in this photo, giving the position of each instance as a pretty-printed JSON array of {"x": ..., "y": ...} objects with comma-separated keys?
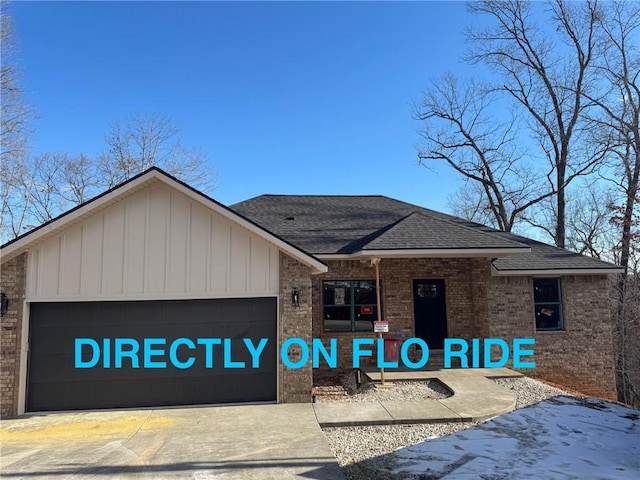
[{"x": 295, "y": 297}]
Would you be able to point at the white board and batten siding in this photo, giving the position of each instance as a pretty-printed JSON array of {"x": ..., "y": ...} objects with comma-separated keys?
[{"x": 155, "y": 244}]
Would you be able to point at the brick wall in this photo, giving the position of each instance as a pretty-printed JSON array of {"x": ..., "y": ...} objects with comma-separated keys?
[
  {"x": 295, "y": 384},
  {"x": 13, "y": 276},
  {"x": 478, "y": 305},
  {"x": 482, "y": 306},
  {"x": 465, "y": 289},
  {"x": 581, "y": 356}
]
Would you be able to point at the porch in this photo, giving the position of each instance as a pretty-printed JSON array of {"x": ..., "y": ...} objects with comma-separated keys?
[{"x": 475, "y": 398}]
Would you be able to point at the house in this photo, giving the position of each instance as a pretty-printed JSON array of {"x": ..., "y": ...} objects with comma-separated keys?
[{"x": 151, "y": 294}]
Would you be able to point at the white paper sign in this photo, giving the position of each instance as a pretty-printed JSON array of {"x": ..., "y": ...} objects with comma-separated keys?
[{"x": 381, "y": 327}]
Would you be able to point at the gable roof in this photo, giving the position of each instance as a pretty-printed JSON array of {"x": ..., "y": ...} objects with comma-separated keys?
[
  {"x": 352, "y": 226},
  {"x": 77, "y": 214}
]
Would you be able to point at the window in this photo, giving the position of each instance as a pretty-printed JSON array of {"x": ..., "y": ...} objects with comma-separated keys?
[
  {"x": 547, "y": 301},
  {"x": 349, "y": 305}
]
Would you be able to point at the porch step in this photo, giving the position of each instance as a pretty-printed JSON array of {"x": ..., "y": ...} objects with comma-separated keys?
[
  {"x": 327, "y": 391},
  {"x": 436, "y": 360}
]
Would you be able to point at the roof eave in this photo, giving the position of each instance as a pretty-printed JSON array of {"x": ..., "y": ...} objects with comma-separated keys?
[
  {"x": 542, "y": 272},
  {"x": 427, "y": 253}
]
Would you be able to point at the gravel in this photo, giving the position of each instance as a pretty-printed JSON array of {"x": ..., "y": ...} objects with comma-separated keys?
[
  {"x": 415, "y": 390},
  {"x": 529, "y": 391},
  {"x": 412, "y": 390},
  {"x": 363, "y": 452}
]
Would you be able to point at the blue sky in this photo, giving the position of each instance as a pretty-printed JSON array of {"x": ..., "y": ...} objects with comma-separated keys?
[{"x": 283, "y": 97}]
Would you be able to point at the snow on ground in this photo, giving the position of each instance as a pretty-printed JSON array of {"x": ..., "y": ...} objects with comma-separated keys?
[{"x": 560, "y": 438}]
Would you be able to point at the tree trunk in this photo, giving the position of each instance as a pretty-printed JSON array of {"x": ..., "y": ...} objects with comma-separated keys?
[{"x": 561, "y": 208}]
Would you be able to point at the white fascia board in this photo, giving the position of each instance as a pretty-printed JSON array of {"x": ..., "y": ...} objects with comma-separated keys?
[
  {"x": 428, "y": 253},
  {"x": 556, "y": 272}
]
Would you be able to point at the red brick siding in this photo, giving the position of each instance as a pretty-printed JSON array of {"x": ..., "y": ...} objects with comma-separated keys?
[
  {"x": 295, "y": 384},
  {"x": 13, "y": 278},
  {"x": 465, "y": 287},
  {"x": 581, "y": 356},
  {"x": 478, "y": 305}
]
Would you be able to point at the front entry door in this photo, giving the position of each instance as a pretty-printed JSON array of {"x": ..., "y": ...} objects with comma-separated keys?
[{"x": 430, "y": 312}]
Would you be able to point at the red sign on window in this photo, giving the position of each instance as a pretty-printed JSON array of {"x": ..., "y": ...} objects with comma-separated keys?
[{"x": 366, "y": 310}]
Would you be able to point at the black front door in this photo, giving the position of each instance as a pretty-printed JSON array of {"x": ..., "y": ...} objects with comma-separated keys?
[{"x": 430, "y": 312}]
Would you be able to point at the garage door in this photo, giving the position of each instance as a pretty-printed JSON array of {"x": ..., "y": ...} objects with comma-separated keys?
[{"x": 54, "y": 382}]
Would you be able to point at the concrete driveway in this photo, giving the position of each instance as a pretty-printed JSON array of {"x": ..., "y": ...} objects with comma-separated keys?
[{"x": 224, "y": 442}]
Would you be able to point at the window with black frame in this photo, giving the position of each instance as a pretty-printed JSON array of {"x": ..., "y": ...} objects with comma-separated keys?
[
  {"x": 547, "y": 298},
  {"x": 349, "y": 305}
]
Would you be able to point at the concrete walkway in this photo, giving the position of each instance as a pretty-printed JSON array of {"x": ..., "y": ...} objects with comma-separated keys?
[{"x": 474, "y": 398}]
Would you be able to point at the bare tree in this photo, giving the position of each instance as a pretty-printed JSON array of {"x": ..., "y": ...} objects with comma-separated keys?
[
  {"x": 626, "y": 330},
  {"x": 589, "y": 228},
  {"x": 16, "y": 114},
  {"x": 459, "y": 129},
  {"x": 77, "y": 178},
  {"x": 15, "y": 200},
  {"x": 15, "y": 128},
  {"x": 39, "y": 188},
  {"x": 469, "y": 202},
  {"x": 545, "y": 79},
  {"x": 572, "y": 82},
  {"x": 618, "y": 114},
  {"x": 141, "y": 141},
  {"x": 617, "y": 123}
]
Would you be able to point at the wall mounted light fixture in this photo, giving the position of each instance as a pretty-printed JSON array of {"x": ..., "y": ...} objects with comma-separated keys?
[
  {"x": 4, "y": 304},
  {"x": 295, "y": 297}
]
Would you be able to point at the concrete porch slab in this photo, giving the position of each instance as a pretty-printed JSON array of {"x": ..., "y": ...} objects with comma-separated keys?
[{"x": 475, "y": 398}]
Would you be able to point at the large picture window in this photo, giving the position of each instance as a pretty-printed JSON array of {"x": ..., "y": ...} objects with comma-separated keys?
[
  {"x": 547, "y": 298},
  {"x": 349, "y": 305}
]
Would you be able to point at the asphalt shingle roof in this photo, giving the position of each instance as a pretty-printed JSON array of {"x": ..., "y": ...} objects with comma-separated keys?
[
  {"x": 420, "y": 231},
  {"x": 324, "y": 224},
  {"x": 346, "y": 224},
  {"x": 547, "y": 257}
]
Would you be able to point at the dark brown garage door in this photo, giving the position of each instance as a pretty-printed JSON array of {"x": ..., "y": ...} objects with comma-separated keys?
[{"x": 54, "y": 382}]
